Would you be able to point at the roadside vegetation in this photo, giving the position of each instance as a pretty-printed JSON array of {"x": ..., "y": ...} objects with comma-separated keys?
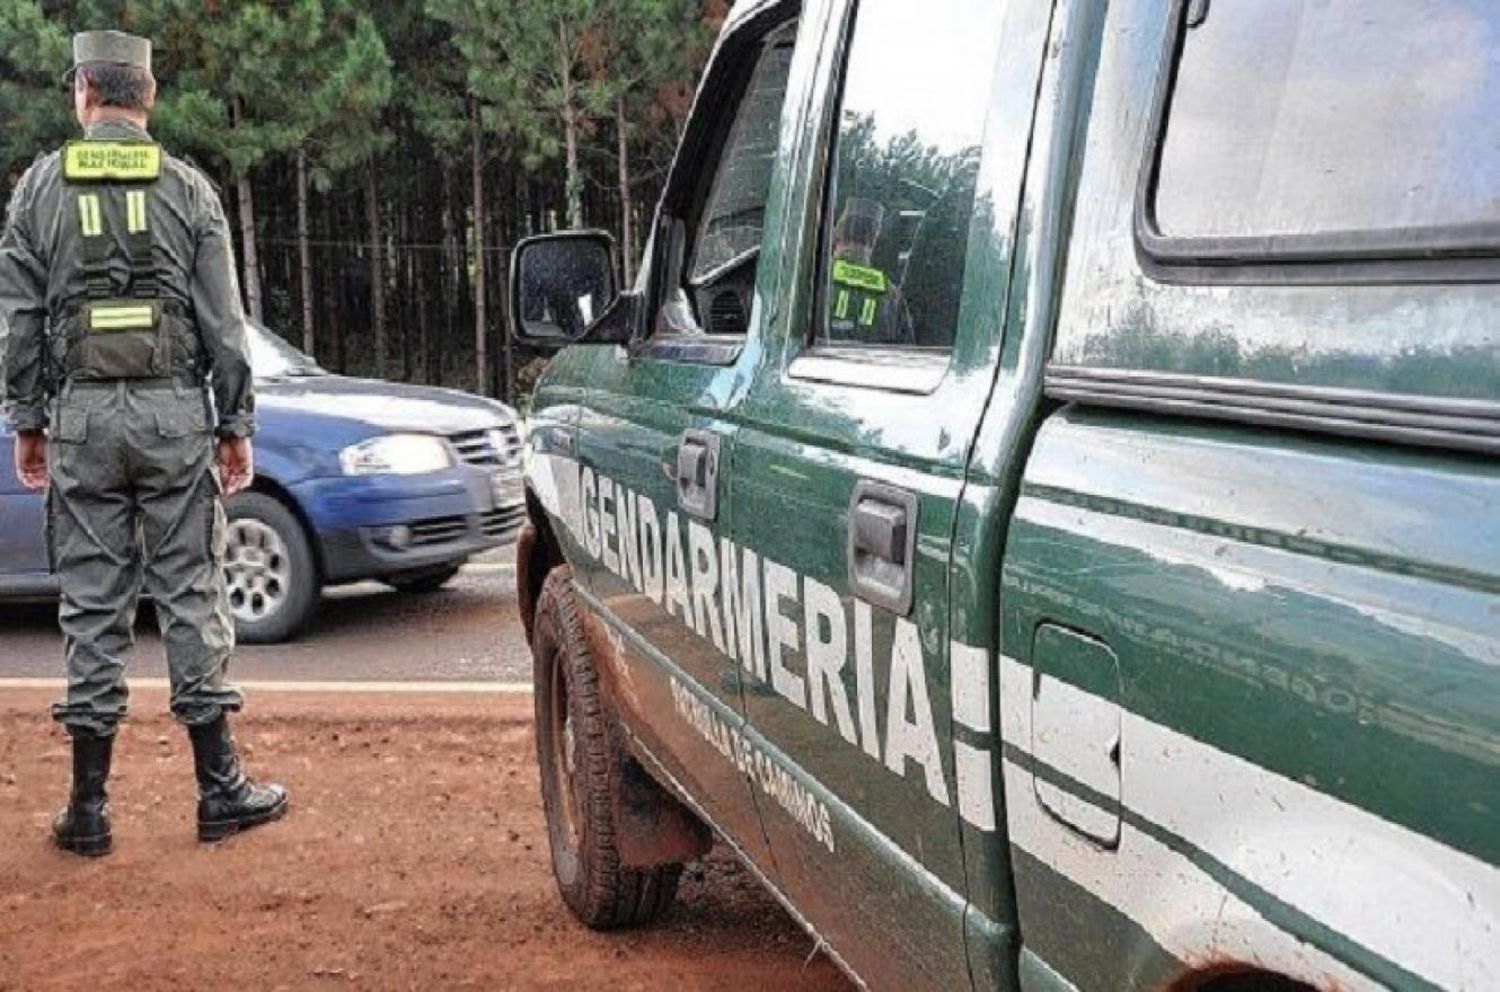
[{"x": 380, "y": 158}]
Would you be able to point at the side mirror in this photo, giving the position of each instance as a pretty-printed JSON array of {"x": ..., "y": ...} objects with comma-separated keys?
[{"x": 560, "y": 286}]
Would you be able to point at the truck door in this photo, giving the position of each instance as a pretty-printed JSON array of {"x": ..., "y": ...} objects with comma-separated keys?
[
  {"x": 656, "y": 432},
  {"x": 849, "y": 465}
]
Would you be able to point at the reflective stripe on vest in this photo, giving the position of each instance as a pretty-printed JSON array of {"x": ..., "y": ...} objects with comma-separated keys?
[
  {"x": 135, "y": 211},
  {"x": 867, "y": 312},
  {"x": 122, "y": 317},
  {"x": 90, "y": 220}
]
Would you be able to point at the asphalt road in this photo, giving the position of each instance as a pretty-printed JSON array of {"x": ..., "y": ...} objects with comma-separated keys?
[{"x": 467, "y": 632}]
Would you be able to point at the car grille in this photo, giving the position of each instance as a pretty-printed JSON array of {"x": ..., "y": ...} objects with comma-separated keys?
[
  {"x": 502, "y": 523},
  {"x": 437, "y": 530},
  {"x": 498, "y": 446}
]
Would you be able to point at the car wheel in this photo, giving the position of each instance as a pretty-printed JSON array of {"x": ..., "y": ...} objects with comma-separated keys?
[
  {"x": 581, "y": 766},
  {"x": 268, "y": 566},
  {"x": 423, "y": 582}
]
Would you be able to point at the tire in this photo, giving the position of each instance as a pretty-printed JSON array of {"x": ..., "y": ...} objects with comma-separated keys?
[
  {"x": 268, "y": 564},
  {"x": 423, "y": 583},
  {"x": 581, "y": 824}
]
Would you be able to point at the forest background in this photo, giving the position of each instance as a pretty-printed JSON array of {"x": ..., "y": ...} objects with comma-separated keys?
[{"x": 379, "y": 159}]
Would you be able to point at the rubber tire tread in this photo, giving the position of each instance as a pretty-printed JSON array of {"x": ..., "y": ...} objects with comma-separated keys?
[
  {"x": 303, "y": 597},
  {"x": 603, "y": 895}
]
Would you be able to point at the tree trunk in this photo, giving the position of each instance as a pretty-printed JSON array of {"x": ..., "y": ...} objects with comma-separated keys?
[
  {"x": 304, "y": 257},
  {"x": 627, "y": 220},
  {"x": 449, "y": 283},
  {"x": 570, "y": 127},
  {"x": 502, "y": 237},
  {"x": 377, "y": 285},
  {"x": 249, "y": 257},
  {"x": 481, "y": 322}
]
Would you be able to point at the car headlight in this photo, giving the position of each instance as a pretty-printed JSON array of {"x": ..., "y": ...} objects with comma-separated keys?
[{"x": 396, "y": 454}]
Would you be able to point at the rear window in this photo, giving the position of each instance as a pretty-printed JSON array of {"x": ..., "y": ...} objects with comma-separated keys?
[{"x": 1344, "y": 122}]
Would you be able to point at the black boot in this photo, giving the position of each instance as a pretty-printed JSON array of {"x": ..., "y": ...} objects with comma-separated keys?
[
  {"x": 83, "y": 825},
  {"x": 227, "y": 801}
]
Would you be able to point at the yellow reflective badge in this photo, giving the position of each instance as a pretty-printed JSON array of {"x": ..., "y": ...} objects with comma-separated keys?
[
  {"x": 859, "y": 276},
  {"x": 111, "y": 161}
]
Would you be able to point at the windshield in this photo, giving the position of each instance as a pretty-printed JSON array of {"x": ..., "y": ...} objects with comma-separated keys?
[{"x": 273, "y": 358}]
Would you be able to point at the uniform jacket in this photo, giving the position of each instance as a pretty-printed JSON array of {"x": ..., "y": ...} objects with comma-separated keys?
[{"x": 42, "y": 276}]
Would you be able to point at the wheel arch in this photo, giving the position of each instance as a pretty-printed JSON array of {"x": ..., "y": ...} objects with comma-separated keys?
[
  {"x": 538, "y": 552},
  {"x": 267, "y": 486}
]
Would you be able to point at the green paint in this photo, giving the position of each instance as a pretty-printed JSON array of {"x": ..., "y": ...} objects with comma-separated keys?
[{"x": 1323, "y": 609}]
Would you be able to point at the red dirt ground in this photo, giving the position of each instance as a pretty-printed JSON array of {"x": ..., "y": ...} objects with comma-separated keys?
[{"x": 414, "y": 857}]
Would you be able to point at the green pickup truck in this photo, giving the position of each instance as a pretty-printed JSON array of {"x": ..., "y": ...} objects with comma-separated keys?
[{"x": 1039, "y": 502}]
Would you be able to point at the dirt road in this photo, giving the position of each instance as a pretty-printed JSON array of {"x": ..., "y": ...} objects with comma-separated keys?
[{"x": 414, "y": 858}]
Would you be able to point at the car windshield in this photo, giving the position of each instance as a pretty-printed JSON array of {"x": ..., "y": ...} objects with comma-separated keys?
[{"x": 273, "y": 358}]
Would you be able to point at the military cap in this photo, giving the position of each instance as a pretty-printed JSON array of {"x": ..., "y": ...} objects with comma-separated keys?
[{"x": 111, "y": 46}]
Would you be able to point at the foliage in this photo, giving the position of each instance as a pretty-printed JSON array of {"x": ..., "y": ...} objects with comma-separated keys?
[{"x": 248, "y": 86}]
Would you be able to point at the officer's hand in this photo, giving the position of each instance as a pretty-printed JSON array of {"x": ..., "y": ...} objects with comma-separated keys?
[
  {"x": 236, "y": 464},
  {"x": 31, "y": 459}
]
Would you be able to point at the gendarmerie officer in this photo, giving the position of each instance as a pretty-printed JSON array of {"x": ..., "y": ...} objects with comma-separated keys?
[{"x": 130, "y": 391}]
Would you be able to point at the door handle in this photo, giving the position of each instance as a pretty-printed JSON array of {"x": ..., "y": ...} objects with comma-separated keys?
[
  {"x": 882, "y": 545},
  {"x": 698, "y": 474}
]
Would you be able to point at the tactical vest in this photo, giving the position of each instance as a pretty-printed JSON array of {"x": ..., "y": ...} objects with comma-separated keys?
[
  {"x": 106, "y": 335},
  {"x": 859, "y": 294}
]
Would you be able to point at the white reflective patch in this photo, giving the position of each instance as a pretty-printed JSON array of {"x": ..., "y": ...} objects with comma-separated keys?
[
  {"x": 782, "y": 633},
  {"x": 973, "y": 770},
  {"x": 606, "y": 518},
  {"x": 1076, "y": 733},
  {"x": 652, "y": 573},
  {"x": 677, "y": 587},
  {"x": 589, "y": 490},
  {"x": 912, "y": 737},
  {"x": 864, "y": 677},
  {"x": 1190, "y": 915},
  {"x": 1375, "y": 883},
  {"x": 703, "y": 564},
  {"x": 744, "y": 625},
  {"x": 971, "y": 686},
  {"x": 827, "y": 656}
]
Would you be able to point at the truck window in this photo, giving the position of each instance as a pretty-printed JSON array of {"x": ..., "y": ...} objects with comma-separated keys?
[
  {"x": 733, "y": 217},
  {"x": 905, "y": 164},
  {"x": 1339, "y": 123}
]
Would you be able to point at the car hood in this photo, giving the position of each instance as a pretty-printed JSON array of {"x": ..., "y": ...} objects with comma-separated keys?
[{"x": 388, "y": 406}]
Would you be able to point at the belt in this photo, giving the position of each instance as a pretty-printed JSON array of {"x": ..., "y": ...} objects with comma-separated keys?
[{"x": 164, "y": 382}]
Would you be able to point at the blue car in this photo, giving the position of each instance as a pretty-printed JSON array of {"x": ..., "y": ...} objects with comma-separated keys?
[{"x": 354, "y": 479}]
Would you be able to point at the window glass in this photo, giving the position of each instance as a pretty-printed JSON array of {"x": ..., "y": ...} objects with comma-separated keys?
[
  {"x": 1316, "y": 117},
  {"x": 273, "y": 358},
  {"x": 906, "y": 161},
  {"x": 733, "y": 217}
]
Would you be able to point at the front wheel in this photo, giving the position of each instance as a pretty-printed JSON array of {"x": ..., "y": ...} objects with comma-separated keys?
[
  {"x": 581, "y": 768},
  {"x": 268, "y": 566}
]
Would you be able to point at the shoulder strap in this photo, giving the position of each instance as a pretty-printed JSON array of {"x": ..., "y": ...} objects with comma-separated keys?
[{"x": 95, "y": 245}]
